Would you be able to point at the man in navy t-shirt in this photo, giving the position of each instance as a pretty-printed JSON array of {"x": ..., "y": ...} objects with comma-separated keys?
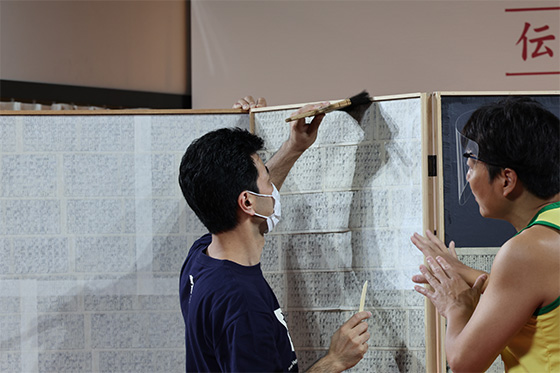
[{"x": 233, "y": 321}]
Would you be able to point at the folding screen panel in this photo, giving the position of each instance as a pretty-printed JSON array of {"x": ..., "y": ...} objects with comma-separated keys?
[
  {"x": 349, "y": 208},
  {"x": 93, "y": 233},
  {"x": 94, "y": 230},
  {"x": 477, "y": 239}
]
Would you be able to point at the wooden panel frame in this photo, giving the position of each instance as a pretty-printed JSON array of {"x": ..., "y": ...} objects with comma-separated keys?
[
  {"x": 432, "y": 186},
  {"x": 123, "y": 112},
  {"x": 139, "y": 266},
  {"x": 437, "y": 203},
  {"x": 434, "y": 324}
]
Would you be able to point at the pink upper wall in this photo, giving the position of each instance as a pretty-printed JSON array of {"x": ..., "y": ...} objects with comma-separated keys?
[
  {"x": 301, "y": 51},
  {"x": 287, "y": 51}
]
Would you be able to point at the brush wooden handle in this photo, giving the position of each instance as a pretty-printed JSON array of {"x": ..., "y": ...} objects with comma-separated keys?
[{"x": 323, "y": 110}]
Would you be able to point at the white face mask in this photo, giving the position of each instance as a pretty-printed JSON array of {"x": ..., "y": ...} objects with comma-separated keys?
[{"x": 272, "y": 220}]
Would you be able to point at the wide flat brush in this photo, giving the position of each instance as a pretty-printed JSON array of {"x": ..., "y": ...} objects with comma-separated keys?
[{"x": 360, "y": 98}]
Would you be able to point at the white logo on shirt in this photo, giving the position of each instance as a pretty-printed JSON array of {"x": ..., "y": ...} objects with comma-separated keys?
[
  {"x": 192, "y": 286},
  {"x": 294, "y": 362},
  {"x": 280, "y": 317}
]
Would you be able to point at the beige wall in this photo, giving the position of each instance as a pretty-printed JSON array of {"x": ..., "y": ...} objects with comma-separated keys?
[
  {"x": 136, "y": 45},
  {"x": 300, "y": 51},
  {"x": 287, "y": 51}
]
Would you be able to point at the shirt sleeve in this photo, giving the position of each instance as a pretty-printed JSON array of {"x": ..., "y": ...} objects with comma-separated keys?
[{"x": 248, "y": 345}]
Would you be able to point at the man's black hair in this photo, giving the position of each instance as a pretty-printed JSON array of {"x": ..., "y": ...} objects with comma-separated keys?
[
  {"x": 214, "y": 170},
  {"x": 519, "y": 133}
]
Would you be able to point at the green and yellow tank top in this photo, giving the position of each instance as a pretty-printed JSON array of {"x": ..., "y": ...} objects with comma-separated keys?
[{"x": 536, "y": 348}]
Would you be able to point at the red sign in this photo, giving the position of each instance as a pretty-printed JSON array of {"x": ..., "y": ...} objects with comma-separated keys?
[{"x": 536, "y": 41}]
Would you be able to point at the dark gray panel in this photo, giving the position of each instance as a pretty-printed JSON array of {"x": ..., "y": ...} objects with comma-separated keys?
[{"x": 464, "y": 224}]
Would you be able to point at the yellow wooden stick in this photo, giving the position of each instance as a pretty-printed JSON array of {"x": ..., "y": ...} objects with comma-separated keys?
[{"x": 363, "y": 298}]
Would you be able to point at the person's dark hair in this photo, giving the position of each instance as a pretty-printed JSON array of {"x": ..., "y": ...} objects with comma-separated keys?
[
  {"x": 519, "y": 133},
  {"x": 214, "y": 170}
]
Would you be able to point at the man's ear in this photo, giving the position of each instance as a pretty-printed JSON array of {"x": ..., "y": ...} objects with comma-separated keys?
[
  {"x": 510, "y": 183},
  {"x": 245, "y": 204}
]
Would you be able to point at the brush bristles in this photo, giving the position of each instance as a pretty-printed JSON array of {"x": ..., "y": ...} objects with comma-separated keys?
[{"x": 360, "y": 98}]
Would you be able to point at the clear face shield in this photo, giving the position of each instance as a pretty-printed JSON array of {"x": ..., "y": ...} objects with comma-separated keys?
[{"x": 466, "y": 149}]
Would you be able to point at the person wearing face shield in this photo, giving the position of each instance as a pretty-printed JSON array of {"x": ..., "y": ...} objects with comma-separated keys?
[
  {"x": 509, "y": 159},
  {"x": 233, "y": 322}
]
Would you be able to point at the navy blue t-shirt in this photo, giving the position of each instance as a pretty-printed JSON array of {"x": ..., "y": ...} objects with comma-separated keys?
[{"x": 233, "y": 321}]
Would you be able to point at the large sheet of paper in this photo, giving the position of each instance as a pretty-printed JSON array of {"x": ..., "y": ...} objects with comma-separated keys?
[
  {"x": 349, "y": 207},
  {"x": 93, "y": 233}
]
